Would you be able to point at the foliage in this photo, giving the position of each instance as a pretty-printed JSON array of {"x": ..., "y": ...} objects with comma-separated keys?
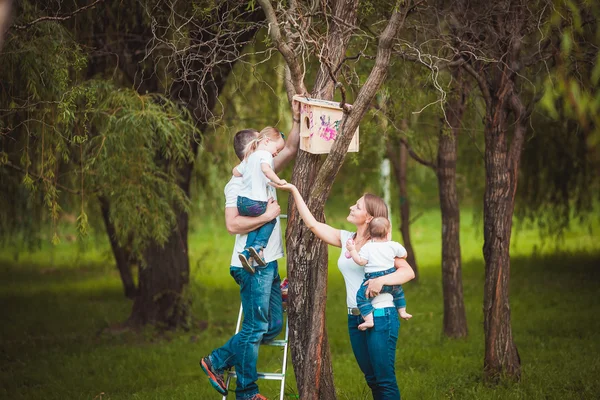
[{"x": 67, "y": 140}]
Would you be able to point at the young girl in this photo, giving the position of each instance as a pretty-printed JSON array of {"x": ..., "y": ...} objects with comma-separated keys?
[
  {"x": 378, "y": 255},
  {"x": 256, "y": 171}
]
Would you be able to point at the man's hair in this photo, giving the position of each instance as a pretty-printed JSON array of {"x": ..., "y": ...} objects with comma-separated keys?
[
  {"x": 379, "y": 227},
  {"x": 241, "y": 140}
]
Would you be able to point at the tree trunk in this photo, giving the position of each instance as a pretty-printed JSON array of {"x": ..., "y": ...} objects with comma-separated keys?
[
  {"x": 455, "y": 319},
  {"x": 501, "y": 355},
  {"x": 399, "y": 158},
  {"x": 162, "y": 282},
  {"x": 123, "y": 258}
]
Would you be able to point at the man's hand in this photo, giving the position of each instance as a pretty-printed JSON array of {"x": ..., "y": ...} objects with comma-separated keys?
[
  {"x": 273, "y": 209},
  {"x": 296, "y": 105}
]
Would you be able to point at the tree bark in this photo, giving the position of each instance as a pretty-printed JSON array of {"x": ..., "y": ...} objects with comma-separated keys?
[
  {"x": 455, "y": 319},
  {"x": 123, "y": 258},
  {"x": 501, "y": 165}
]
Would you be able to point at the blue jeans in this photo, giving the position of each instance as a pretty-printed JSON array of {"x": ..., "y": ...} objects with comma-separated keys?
[
  {"x": 364, "y": 304},
  {"x": 259, "y": 237},
  {"x": 375, "y": 352},
  {"x": 263, "y": 320}
]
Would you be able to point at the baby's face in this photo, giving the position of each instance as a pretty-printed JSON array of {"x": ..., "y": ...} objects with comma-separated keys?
[{"x": 275, "y": 146}]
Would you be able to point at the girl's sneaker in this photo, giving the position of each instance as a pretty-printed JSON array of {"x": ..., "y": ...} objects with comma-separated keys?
[
  {"x": 246, "y": 261},
  {"x": 260, "y": 260}
]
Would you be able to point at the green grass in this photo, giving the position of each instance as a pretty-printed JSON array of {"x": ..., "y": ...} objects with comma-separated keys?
[{"x": 56, "y": 303}]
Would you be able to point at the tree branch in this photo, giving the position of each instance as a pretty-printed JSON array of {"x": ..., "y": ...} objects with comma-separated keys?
[
  {"x": 58, "y": 18},
  {"x": 17, "y": 168},
  {"x": 485, "y": 90},
  {"x": 283, "y": 47}
]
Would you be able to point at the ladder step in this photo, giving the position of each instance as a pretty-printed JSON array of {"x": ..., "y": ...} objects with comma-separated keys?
[
  {"x": 281, "y": 343},
  {"x": 264, "y": 375}
]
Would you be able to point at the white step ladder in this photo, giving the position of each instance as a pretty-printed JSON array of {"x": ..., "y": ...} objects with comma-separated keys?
[{"x": 266, "y": 375}]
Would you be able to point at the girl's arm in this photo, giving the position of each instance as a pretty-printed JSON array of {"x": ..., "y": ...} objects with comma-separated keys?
[
  {"x": 403, "y": 274},
  {"x": 269, "y": 173},
  {"x": 323, "y": 231},
  {"x": 235, "y": 172}
]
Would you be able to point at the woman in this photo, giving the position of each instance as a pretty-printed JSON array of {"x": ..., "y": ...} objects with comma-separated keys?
[{"x": 374, "y": 349}]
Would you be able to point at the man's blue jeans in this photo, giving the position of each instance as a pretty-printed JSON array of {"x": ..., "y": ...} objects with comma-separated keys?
[
  {"x": 375, "y": 352},
  {"x": 364, "y": 304},
  {"x": 259, "y": 237},
  {"x": 263, "y": 320}
]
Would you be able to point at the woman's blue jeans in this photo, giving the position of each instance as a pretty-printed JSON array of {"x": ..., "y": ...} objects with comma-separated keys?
[
  {"x": 375, "y": 352},
  {"x": 259, "y": 237},
  {"x": 263, "y": 321}
]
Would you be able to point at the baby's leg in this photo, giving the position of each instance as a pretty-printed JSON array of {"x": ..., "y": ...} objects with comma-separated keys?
[
  {"x": 403, "y": 314},
  {"x": 369, "y": 323}
]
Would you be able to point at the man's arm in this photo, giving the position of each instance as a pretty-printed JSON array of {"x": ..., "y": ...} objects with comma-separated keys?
[
  {"x": 238, "y": 224},
  {"x": 288, "y": 153}
]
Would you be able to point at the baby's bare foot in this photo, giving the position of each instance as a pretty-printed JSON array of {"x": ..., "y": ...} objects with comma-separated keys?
[
  {"x": 404, "y": 315},
  {"x": 366, "y": 325}
]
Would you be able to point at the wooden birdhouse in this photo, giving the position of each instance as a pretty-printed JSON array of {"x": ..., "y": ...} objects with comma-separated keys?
[{"x": 319, "y": 125}]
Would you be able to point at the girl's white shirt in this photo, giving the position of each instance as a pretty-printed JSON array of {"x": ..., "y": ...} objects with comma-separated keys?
[
  {"x": 354, "y": 275},
  {"x": 254, "y": 182}
]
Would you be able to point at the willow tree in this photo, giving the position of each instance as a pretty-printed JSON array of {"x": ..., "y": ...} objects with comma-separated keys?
[
  {"x": 177, "y": 56},
  {"x": 321, "y": 31}
]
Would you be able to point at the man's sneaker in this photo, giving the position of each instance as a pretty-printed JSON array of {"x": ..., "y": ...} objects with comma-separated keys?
[
  {"x": 258, "y": 396},
  {"x": 215, "y": 378},
  {"x": 246, "y": 261},
  {"x": 256, "y": 255}
]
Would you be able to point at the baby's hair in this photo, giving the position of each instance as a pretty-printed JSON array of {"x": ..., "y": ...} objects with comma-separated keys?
[
  {"x": 379, "y": 227},
  {"x": 267, "y": 132}
]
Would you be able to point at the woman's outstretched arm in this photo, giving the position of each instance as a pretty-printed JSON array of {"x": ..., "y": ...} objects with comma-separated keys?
[
  {"x": 323, "y": 231},
  {"x": 403, "y": 274}
]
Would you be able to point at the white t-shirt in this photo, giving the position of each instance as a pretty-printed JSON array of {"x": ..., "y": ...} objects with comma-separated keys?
[
  {"x": 354, "y": 275},
  {"x": 274, "y": 249},
  {"x": 254, "y": 181},
  {"x": 380, "y": 255}
]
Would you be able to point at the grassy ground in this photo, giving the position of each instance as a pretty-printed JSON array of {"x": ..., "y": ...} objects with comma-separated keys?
[{"x": 56, "y": 303}]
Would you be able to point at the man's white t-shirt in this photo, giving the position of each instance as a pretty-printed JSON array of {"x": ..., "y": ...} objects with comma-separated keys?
[
  {"x": 254, "y": 181},
  {"x": 354, "y": 275},
  {"x": 380, "y": 255},
  {"x": 274, "y": 249}
]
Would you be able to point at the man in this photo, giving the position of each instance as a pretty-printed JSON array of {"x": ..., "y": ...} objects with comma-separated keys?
[{"x": 260, "y": 292}]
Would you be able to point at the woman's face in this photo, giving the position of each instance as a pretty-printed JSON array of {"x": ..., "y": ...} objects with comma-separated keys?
[{"x": 358, "y": 213}]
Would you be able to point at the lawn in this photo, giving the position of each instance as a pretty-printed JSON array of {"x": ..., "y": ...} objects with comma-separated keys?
[{"x": 58, "y": 301}]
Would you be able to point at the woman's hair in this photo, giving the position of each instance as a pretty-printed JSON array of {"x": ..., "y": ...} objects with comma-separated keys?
[
  {"x": 375, "y": 207},
  {"x": 268, "y": 132},
  {"x": 379, "y": 227}
]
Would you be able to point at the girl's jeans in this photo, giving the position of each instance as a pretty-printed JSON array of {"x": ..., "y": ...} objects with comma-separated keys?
[
  {"x": 364, "y": 304},
  {"x": 259, "y": 237}
]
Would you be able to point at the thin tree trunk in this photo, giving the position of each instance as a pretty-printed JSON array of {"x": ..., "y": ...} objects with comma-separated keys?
[
  {"x": 123, "y": 258},
  {"x": 501, "y": 164},
  {"x": 399, "y": 158},
  {"x": 455, "y": 319}
]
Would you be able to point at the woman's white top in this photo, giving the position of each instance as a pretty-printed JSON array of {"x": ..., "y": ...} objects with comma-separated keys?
[
  {"x": 354, "y": 275},
  {"x": 380, "y": 255},
  {"x": 254, "y": 181}
]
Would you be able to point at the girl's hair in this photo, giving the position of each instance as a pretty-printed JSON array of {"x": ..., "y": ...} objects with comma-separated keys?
[
  {"x": 379, "y": 227},
  {"x": 376, "y": 207},
  {"x": 268, "y": 132}
]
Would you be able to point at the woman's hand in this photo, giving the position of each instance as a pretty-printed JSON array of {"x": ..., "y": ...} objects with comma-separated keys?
[{"x": 374, "y": 286}]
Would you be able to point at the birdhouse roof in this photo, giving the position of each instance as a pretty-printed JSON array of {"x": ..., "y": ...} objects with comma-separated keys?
[{"x": 318, "y": 102}]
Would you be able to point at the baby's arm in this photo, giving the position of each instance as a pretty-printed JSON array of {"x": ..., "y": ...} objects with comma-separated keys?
[
  {"x": 354, "y": 254},
  {"x": 269, "y": 173}
]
